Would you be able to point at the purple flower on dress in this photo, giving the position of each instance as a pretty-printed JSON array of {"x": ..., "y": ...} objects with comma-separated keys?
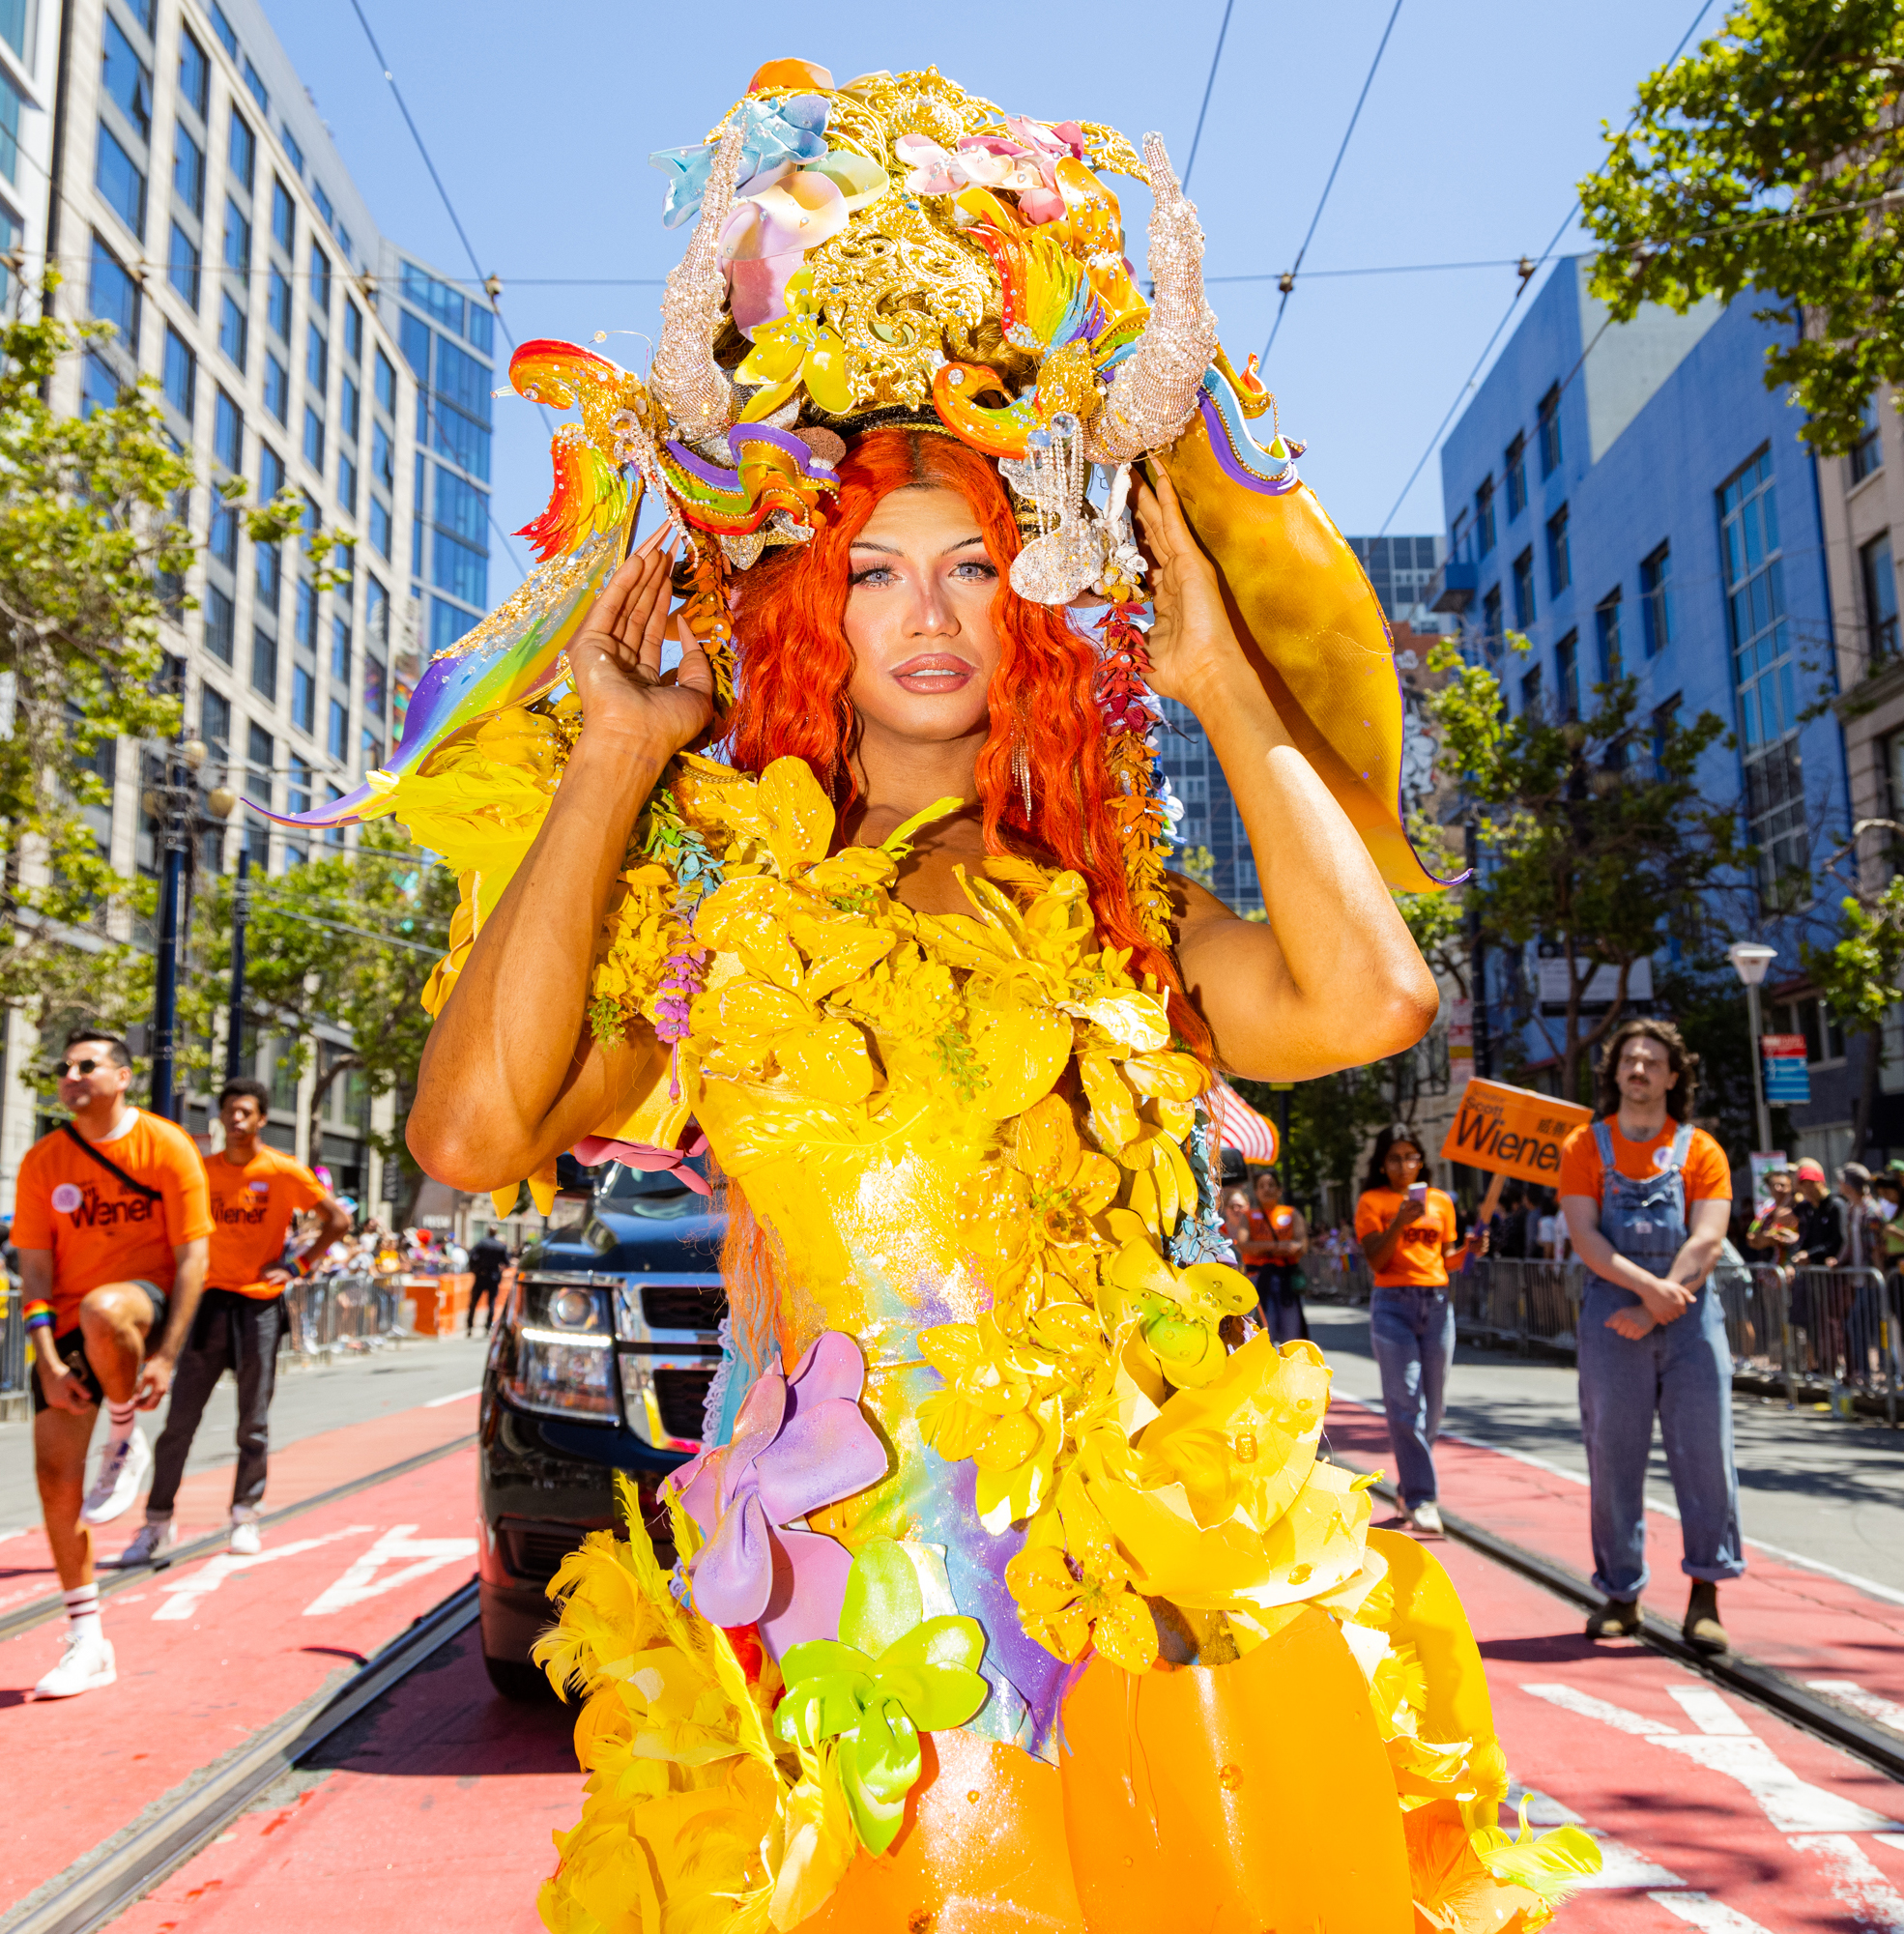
[{"x": 799, "y": 1442}]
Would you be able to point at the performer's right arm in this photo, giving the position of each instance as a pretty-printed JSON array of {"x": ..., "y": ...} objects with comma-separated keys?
[{"x": 510, "y": 1076}]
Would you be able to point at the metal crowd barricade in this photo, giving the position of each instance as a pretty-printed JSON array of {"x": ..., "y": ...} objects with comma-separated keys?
[
  {"x": 1844, "y": 1329},
  {"x": 14, "y": 1369},
  {"x": 347, "y": 1310},
  {"x": 1335, "y": 1279}
]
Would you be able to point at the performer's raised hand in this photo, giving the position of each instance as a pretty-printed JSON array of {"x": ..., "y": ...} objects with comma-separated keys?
[
  {"x": 1192, "y": 641},
  {"x": 615, "y": 662}
]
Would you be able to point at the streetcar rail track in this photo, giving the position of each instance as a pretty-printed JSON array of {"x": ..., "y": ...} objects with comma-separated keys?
[
  {"x": 36, "y": 1612},
  {"x": 1763, "y": 1685},
  {"x": 112, "y": 1877}
]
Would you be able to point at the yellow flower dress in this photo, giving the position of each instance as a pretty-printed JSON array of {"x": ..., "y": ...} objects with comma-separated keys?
[{"x": 1073, "y": 1631}]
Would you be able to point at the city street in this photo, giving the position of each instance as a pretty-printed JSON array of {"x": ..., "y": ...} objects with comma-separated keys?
[{"x": 434, "y": 1805}]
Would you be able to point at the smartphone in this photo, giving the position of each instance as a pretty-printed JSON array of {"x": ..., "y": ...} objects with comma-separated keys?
[{"x": 1419, "y": 1193}]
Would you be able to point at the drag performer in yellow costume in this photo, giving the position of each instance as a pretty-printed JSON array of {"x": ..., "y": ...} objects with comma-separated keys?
[{"x": 1008, "y": 1592}]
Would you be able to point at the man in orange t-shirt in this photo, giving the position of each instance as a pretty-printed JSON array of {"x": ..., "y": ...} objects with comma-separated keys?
[
  {"x": 255, "y": 1193},
  {"x": 110, "y": 1222},
  {"x": 1647, "y": 1198}
]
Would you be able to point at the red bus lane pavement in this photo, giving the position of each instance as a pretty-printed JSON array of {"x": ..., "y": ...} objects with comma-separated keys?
[{"x": 210, "y": 1649}]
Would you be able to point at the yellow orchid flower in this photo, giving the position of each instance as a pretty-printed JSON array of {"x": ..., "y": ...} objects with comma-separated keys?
[
  {"x": 999, "y": 1408},
  {"x": 799, "y": 348},
  {"x": 1178, "y": 1311}
]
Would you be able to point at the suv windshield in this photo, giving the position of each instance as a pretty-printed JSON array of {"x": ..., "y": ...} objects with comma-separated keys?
[{"x": 649, "y": 1191}]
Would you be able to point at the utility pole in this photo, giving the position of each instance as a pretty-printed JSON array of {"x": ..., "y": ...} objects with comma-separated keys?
[
  {"x": 173, "y": 803},
  {"x": 1483, "y": 1045},
  {"x": 241, "y": 908}
]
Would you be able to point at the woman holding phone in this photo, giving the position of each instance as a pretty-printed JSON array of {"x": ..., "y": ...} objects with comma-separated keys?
[{"x": 1407, "y": 1232}]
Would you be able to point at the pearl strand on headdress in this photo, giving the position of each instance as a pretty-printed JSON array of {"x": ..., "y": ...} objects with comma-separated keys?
[{"x": 684, "y": 377}]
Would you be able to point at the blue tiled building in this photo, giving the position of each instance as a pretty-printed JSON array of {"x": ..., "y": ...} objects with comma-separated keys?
[{"x": 1636, "y": 500}]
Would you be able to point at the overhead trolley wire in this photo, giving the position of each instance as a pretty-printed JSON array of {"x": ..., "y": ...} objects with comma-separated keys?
[
  {"x": 1196, "y": 139},
  {"x": 1287, "y": 280}
]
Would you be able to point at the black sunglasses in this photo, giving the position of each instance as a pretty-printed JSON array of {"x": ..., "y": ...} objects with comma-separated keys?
[{"x": 69, "y": 1069}]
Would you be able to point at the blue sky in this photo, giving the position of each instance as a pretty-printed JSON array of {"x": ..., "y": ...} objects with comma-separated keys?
[{"x": 1483, "y": 116}]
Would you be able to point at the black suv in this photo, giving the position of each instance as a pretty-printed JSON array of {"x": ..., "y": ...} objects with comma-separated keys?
[{"x": 600, "y": 1363}]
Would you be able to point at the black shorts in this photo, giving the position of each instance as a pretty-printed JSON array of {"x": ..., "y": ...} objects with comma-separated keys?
[{"x": 71, "y": 1349}]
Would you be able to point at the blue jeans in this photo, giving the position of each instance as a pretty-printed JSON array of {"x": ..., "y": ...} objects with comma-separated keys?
[
  {"x": 1683, "y": 1371},
  {"x": 1412, "y": 1333}
]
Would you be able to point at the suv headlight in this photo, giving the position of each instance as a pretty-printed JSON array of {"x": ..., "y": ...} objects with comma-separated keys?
[{"x": 564, "y": 1351}]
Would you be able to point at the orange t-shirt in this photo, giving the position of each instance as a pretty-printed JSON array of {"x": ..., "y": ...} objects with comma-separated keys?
[
  {"x": 252, "y": 1209},
  {"x": 1416, "y": 1261},
  {"x": 98, "y": 1229},
  {"x": 1708, "y": 1174}
]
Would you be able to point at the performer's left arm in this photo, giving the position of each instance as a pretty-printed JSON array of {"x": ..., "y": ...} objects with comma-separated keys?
[{"x": 1332, "y": 979}]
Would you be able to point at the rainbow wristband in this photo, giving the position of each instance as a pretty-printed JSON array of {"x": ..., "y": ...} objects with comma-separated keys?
[{"x": 39, "y": 1315}]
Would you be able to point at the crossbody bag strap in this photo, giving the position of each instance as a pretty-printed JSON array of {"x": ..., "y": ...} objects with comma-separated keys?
[{"x": 111, "y": 1167}]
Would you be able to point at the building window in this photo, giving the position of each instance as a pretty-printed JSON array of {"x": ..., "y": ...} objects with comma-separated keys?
[
  {"x": 383, "y": 457},
  {"x": 340, "y": 649},
  {"x": 271, "y": 472},
  {"x": 181, "y": 374},
  {"x": 232, "y": 329},
  {"x": 1484, "y": 518},
  {"x": 238, "y": 238},
  {"x": 182, "y": 265},
  {"x": 1656, "y": 599},
  {"x": 1523, "y": 591},
  {"x": 1530, "y": 693},
  {"x": 296, "y": 795},
  {"x": 1560, "y": 562},
  {"x": 283, "y": 216},
  {"x": 12, "y": 100},
  {"x": 314, "y": 439},
  {"x": 381, "y": 533},
  {"x": 98, "y": 386},
  {"x": 114, "y": 295},
  {"x": 277, "y": 303},
  {"x": 303, "y": 704},
  {"x": 218, "y": 624},
  {"x": 386, "y": 383},
  {"x": 1763, "y": 671},
  {"x": 347, "y": 484},
  {"x": 352, "y": 331},
  {"x": 119, "y": 181},
  {"x": 461, "y": 380},
  {"x": 462, "y": 441},
  {"x": 317, "y": 360},
  {"x": 376, "y": 613},
  {"x": 1516, "y": 472},
  {"x": 261, "y": 755},
  {"x": 222, "y": 27},
  {"x": 1868, "y": 456},
  {"x": 125, "y": 79},
  {"x": 213, "y": 718},
  {"x": 459, "y": 570},
  {"x": 1549, "y": 414},
  {"x": 322, "y": 202},
  {"x": 1567, "y": 674},
  {"x": 461, "y": 510},
  {"x": 1879, "y": 579},
  {"x": 242, "y": 151},
  {"x": 228, "y": 433},
  {"x": 442, "y": 302},
  {"x": 339, "y": 740},
  {"x": 277, "y": 388},
  {"x": 270, "y": 568},
  {"x": 1491, "y": 616},
  {"x": 305, "y": 622},
  {"x": 320, "y": 279},
  {"x": 188, "y": 169},
  {"x": 347, "y": 409},
  {"x": 1606, "y": 635},
  {"x": 254, "y": 80},
  {"x": 291, "y": 150},
  {"x": 263, "y": 660},
  {"x": 446, "y": 625},
  {"x": 194, "y": 74}
]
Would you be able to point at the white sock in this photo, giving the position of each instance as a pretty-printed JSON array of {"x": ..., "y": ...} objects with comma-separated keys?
[
  {"x": 82, "y": 1610},
  {"x": 119, "y": 1420}
]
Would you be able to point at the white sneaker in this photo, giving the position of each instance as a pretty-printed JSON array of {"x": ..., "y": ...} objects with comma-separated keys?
[
  {"x": 122, "y": 1472},
  {"x": 1426, "y": 1518},
  {"x": 246, "y": 1539},
  {"x": 152, "y": 1544},
  {"x": 87, "y": 1665}
]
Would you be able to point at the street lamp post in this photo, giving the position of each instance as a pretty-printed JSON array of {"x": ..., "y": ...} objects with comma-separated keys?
[
  {"x": 241, "y": 908},
  {"x": 1484, "y": 1045},
  {"x": 1750, "y": 959}
]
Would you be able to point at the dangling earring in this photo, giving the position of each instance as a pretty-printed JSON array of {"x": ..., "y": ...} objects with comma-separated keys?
[{"x": 1021, "y": 769}]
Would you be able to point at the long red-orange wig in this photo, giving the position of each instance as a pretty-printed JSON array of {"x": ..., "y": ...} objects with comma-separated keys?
[{"x": 795, "y": 666}]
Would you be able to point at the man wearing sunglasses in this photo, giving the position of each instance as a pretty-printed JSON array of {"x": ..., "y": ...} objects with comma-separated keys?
[{"x": 111, "y": 1224}]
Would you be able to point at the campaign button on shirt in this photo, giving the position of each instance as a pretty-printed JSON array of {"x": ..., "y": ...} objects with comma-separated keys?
[{"x": 66, "y": 1197}]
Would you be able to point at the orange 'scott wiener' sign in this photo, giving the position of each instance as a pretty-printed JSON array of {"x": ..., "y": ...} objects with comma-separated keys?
[{"x": 1512, "y": 1130}]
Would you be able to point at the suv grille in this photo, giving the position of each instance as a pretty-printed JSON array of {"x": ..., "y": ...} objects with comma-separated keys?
[
  {"x": 681, "y": 1396},
  {"x": 683, "y": 1307},
  {"x": 538, "y": 1553}
]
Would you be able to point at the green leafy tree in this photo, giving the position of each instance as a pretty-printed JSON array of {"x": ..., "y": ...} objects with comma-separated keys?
[
  {"x": 94, "y": 549},
  {"x": 350, "y": 938},
  {"x": 1769, "y": 160},
  {"x": 1595, "y": 836}
]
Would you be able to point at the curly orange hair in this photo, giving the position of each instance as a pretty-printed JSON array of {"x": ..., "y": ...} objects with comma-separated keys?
[{"x": 794, "y": 665}]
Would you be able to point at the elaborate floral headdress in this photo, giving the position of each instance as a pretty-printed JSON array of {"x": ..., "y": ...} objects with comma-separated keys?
[{"x": 896, "y": 250}]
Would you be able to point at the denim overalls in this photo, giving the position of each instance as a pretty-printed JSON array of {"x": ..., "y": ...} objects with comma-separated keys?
[{"x": 1682, "y": 1369}]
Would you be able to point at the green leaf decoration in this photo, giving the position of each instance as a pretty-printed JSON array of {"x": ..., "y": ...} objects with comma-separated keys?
[{"x": 891, "y": 1675}]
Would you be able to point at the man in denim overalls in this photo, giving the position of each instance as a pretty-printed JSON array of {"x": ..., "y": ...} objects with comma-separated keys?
[{"x": 1652, "y": 1330}]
